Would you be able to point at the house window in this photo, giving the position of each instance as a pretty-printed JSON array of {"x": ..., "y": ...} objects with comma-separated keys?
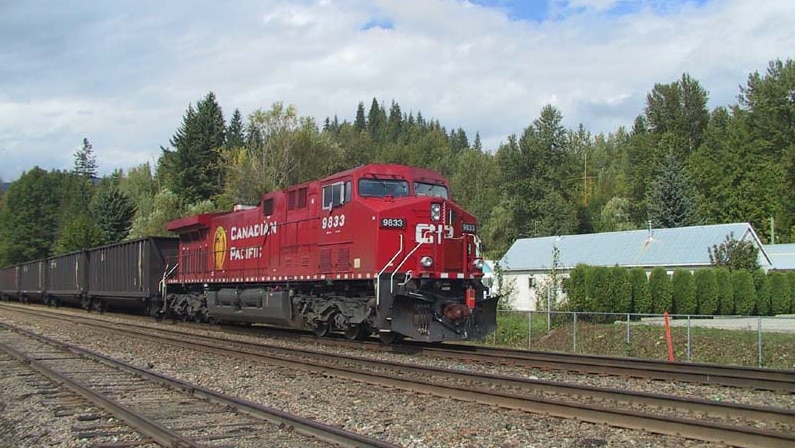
[{"x": 531, "y": 282}]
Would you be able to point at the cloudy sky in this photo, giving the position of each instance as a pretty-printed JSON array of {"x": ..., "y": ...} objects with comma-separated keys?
[{"x": 123, "y": 72}]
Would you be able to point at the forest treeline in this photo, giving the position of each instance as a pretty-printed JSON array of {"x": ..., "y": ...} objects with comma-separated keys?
[{"x": 678, "y": 164}]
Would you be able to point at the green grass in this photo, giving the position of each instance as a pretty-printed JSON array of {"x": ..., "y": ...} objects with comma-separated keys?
[{"x": 730, "y": 347}]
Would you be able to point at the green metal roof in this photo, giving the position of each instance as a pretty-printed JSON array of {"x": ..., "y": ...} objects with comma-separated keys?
[{"x": 682, "y": 246}]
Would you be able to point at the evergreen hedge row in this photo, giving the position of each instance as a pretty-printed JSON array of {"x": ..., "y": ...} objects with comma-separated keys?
[{"x": 714, "y": 291}]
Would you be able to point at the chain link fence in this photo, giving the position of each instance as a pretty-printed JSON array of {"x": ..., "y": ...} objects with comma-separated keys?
[{"x": 736, "y": 340}]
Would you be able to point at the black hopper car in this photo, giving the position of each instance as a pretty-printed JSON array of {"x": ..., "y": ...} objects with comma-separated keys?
[{"x": 126, "y": 275}]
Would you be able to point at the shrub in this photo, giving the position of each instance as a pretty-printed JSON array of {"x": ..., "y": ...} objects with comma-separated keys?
[
  {"x": 684, "y": 292},
  {"x": 660, "y": 289},
  {"x": 725, "y": 292},
  {"x": 576, "y": 288},
  {"x": 641, "y": 297},
  {"x": 706, "y": 291},
  {"x": 600, "y": 289},
  {"x": 622, "y": 290},
  {"x": 791, "y": 278},
  {"x": 779, "y": 293},
  {"x": 762, "y": 291},
  {"x": 744, "y": 292}
]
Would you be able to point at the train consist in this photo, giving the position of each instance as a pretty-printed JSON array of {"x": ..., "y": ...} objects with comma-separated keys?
[{"x": 377, "y": 249}]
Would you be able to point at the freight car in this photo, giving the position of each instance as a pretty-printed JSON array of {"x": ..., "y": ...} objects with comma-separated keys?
[
  {"x": 123, "y": 276},
  {"x": 9, "y": 283},
  {"x": 377, "y": 249}
]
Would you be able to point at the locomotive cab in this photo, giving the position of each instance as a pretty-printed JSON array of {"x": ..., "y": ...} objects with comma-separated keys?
[{"x": 428, "y": 265}]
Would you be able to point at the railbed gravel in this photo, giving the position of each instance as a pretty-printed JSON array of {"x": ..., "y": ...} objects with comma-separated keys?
[{"x": 403, "y": 418}]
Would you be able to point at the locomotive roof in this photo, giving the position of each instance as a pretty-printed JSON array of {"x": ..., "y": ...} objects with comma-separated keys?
[
  {"x": 389, "y": 169},
  {"x": 204, "y": 220}
]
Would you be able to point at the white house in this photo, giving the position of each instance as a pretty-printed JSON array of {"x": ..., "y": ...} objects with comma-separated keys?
[{"x": 526, "y": 267}]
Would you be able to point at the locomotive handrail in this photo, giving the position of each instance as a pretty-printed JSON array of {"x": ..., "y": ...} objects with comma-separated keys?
[
  {"x": 419, "y": 243},
  {"x": 378, "y": 276},
  {"x": 164, "y": 285}
]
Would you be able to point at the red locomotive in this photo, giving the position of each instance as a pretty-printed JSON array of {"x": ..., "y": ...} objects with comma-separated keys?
[{"x": 379, "y": 248}]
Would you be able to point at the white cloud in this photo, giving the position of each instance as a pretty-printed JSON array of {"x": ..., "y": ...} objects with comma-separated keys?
[{"x": 125, "y": 76}]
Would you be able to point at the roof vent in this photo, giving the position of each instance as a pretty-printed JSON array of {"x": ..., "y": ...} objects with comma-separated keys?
[{"x": 651, "y": 233}]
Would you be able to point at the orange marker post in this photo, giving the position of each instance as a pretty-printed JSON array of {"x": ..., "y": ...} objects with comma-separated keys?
[{"x": 668, "y": 337}]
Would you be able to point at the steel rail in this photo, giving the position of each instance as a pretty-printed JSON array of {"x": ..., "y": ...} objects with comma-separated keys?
[
  {"x": 145, "y": 426},
  {"x": 696, "y": 429},
  {"x": 307, "y": 427}
]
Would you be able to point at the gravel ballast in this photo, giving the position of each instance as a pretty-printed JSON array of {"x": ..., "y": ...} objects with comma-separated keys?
[{"x": 403, "y": 418}]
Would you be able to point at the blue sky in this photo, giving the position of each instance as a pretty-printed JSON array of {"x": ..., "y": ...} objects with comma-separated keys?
[{"x": 122, "y": 73}]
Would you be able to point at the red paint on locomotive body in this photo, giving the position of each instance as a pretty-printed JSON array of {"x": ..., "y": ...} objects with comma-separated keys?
[{"x": 386, "y": 226}]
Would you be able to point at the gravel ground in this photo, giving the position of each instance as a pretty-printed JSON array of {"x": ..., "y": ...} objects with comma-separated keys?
[{"x": 403, "y": 418}]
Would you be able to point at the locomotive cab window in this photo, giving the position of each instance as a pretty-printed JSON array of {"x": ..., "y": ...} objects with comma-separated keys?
[
  {"x": 379, "y": 188},
  {"x": 336, "y": 194},
  {"x": 426, "y": 189}
]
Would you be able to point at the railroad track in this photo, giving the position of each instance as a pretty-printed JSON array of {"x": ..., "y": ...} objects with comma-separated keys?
[
  {"x": 165, "y": 410},
  {"x": 614, "y": 407},
  {"x": 697, "y": 373}
]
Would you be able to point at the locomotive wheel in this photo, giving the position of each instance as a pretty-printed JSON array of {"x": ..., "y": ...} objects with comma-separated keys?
[
  {"x": 321, "y": 329},
  {"x": 98, "y": 306},
  {"x": 357, "y": 332}
]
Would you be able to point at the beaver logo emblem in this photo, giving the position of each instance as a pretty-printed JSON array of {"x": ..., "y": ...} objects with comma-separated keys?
[{"x": 219, "y": 247}]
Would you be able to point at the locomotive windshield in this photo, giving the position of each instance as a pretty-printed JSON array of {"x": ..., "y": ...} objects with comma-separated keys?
[
  {"x": 426, "y": 189},
  {"x": 380, "y": 188}
]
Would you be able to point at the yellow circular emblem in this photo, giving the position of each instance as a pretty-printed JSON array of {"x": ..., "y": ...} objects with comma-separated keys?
[{"x": 219, "y": 247}]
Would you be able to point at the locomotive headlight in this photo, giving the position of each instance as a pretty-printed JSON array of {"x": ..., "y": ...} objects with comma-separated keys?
[
  {"x": 426, "y": 262},
  {"x": 436, "y": 212},
  {"x": 478, "y": 264}
]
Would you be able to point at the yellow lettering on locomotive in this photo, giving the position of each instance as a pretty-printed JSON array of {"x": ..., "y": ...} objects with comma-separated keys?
[{"x": 219, "y": 247}]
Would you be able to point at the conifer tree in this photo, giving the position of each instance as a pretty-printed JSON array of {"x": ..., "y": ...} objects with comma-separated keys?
[
  {"x": 191, "y": 169},
  {"x": 669, "y": 201}
]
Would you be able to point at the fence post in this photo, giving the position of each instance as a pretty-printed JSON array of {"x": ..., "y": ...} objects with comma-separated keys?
[
  {"x": 628, "y": 351},
  {"x": 759, "y": 330},
  {"x": 575, "y": 332},
  {"x": 529, "y": 330},
  {"x": 688, "y": 338}
]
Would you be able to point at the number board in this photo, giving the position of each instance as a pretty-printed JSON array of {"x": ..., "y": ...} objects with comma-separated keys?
[
  {"x": 469, "y": 228},
  {"x": 393, "y": 223}
]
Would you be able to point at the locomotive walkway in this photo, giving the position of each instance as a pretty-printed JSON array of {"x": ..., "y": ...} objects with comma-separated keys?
[
  {"x": 165, "y": 410},
  {"x": 734, "y": 424}
]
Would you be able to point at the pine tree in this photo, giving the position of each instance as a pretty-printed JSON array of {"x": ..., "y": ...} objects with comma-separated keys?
[
  {"x": 191, "y": 169},
  {"x": 113, "y": 212},
  {"x": 234, "y": 136},
  {"x": 30, "y": 216},
  {"x": 669, "y": 201},
  {"x": 85, "y": 161},
  {"x": 361, "y": 123}
]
